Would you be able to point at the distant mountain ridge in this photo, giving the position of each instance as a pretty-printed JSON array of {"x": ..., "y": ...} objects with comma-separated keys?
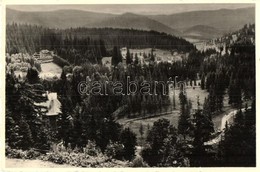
[
  {"x": 201, "y": 24},
  {"x": 202, "y": 31},
  {"x": 61, "y": 19},
  {"x": 223, "y": 19},
  {"x": 130, "y": 20}
]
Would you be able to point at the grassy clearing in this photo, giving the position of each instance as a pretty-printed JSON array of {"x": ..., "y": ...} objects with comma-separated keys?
[
  {"x": 50, "y": 69},
  {"x": 172, "y": 115}
]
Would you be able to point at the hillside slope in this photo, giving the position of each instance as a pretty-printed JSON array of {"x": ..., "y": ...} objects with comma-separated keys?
[
  {"x": 61, "y": 19},
  {"x": 130, "y": 20},
  {"x": 223, "y": 19},
  {"x": 202, "y": 32},
  {"x": 64, "y": 19}
]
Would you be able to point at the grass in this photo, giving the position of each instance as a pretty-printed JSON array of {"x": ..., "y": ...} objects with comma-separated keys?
[{"x": 51, "y": 67}]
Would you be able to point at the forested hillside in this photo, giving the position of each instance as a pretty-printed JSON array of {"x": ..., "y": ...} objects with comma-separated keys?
[{"x": 80, "y": 44}]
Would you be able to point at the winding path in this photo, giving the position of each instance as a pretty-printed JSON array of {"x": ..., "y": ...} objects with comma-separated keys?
[{"x": 226, "y": 118}]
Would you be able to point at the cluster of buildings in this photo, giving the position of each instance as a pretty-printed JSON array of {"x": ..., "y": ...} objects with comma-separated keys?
[
  {"x": 44, "y": 56},
  {"x": 18, "y": 63},
  {"x": 144, "y": 55}
]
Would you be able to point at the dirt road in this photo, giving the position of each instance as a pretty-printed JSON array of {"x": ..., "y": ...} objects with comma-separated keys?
[{"x": 19, "y": 163}]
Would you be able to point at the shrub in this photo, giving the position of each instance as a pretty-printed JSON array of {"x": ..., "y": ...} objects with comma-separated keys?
[
  {"x": 91, "y": 149},
  {"x": 32, "y": 154},
  {"x": 128, "y": 139},
  {"x": 115, "y": 150},
  {"x": 18, "y": 153},
  {"x": 138, "y": 162},
  {"x": 58, "y": 158},
  {"x": 60, "y": 155}
]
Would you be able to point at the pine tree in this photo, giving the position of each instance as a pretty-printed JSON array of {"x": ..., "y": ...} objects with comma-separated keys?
[
  {"x": 32, "y": 76},
  {"x": 136, "y": 59},
  {"x": 202, "y": 131},
  {"x": 184, "y": 123},
  {"x": 102, "y": 48},
  {"x": 152, "y": 55},
  {"x": 128, "y": 57},
  {"x": 141, "y": 131},
  {"x": 25, "y": 112},
  {"x": 230, "y": 147},
  {"x": 202, "y": 85},
  {"x": 235, "y": 93},
  {"x": 26, "y": 141},
  {"x": 161, "y": 139},
  {"x": 115, "y": 56},
  {"x": 128, "y": 139}
]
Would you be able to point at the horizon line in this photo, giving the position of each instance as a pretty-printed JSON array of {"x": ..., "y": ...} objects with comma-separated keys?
[{"x": 10, "y": 7}]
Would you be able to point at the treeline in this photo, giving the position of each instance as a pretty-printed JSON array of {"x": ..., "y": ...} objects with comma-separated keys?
[
  {"x": 78, "y": 45},
  {"x": 133, "y": 38}
]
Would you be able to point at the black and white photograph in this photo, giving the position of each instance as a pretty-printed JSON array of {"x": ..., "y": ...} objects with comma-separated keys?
[{"x": 130, "y": 85}]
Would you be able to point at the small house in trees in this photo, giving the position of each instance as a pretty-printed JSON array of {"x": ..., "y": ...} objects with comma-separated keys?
[
  {"x": 44, "y": 56},
  {"x": 53, "y": 104},
  {"x": 123, "y": 52},
  {"x": 106, "y": 61},
  {"x": 234, "y": 37},
  {"x": 53, "y": 107}
]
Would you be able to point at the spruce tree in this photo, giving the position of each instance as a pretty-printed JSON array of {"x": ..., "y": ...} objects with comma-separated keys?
[
  {"x": 115, "y": 56},
  {"x": 184, "y": 124},
  {"x": 128, "y": 57},
  {"x": 202, "y": 131},
  {"x": 128, "y": 139},
  {"x": 202, "y": 85}
]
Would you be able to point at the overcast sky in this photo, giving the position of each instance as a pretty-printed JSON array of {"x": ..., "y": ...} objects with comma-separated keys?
[{"x": 137, "y": 8}]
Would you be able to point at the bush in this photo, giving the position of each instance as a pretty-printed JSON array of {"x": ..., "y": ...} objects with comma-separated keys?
[
  {"x": 128, "y": 139},
  {"x": 14, "y": 153},
  {"x": 76, "y": 158},
  {"x": 115, "y": 150},
  {"x": 138, "y": 162},
  {"x": 61, "y": 155},
  {"x": 91, "y": 149},
  {"x": 20, "y": 154},
  {"x": 58, "y": 158},
  {"x": 32, "y": 154}
]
